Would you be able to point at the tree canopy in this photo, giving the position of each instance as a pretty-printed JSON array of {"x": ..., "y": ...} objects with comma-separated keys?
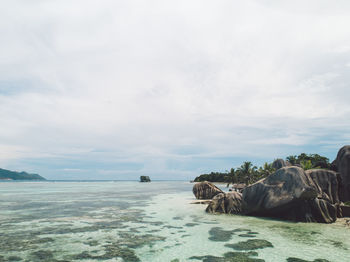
[
  {"x": 249, "y": 173},
  {"x": 246, "y": 173},
  {"x": 309, "y": 161}
]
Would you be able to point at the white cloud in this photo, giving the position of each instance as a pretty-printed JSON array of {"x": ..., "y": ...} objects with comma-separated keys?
[{"x": 133, "y": 79}]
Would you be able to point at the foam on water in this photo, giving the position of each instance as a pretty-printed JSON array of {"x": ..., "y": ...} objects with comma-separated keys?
[{"x": 131, "y": 221}]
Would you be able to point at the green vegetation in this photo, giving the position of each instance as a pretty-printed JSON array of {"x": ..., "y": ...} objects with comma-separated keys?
[
  {"x": 309, "y": 161},
  {"x": 306, "y": 164},
  {"x": 12, "y": 175},
  {"x": 248, "y": 173}
]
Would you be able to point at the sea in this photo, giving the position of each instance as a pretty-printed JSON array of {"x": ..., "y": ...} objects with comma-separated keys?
[{"x": 129, "y": 221}]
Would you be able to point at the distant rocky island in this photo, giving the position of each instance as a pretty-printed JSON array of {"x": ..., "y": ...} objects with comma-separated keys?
[
  {"x": 145, "y": 179},
  {"x": 13, "y": 175},
  {"x": 306, "y": 192}
]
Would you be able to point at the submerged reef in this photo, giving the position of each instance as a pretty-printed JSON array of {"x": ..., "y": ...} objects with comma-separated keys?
[
  {"x": 294, "y": 259},
  {"x": 219, "y": 234},
  {"x": 230, "y": 257},
  {"x": 250, "y": 244}
]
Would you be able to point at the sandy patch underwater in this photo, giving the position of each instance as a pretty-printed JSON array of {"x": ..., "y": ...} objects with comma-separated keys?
[{"x": 131, "y": 221}]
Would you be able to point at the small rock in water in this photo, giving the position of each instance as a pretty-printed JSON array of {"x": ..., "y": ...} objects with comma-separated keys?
[
  {"x": 205, "y": 190},
  {"x": 145, "y": 179}
]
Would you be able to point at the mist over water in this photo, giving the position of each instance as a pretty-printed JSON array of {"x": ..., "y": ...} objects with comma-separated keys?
[{"x": 132, "y": 221}]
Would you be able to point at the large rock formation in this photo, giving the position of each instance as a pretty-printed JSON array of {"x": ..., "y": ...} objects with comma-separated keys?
[
  {"x": 205, "y": 190},
  {"x": 279, "y": 163},
  {"x": 342, "y": 163},
  {"x": 290, "y": 193},
  {"x": 280, "y": 194},
  {"x": 229, "y": 203}
]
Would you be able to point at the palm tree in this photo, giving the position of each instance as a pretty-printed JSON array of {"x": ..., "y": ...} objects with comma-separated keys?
[
  {"x": 232, "y": 175},
  {"x": 265, "y": 170},
  {"x": 268, "y": 169},
  {"x": 292, "y": 159},
  {"x": 247, "y": 171}
]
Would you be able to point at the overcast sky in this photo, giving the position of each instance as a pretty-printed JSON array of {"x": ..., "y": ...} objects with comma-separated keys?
[{"x": 112, "y": 89}]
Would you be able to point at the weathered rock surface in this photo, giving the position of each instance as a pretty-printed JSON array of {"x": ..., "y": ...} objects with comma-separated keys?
[
  {"x": 326, "y": 184},
  {"x": 278, "y": 191},
  {"x": 145, "y": 179},
  {"x": 342, "y": 163},
  {"x": 205, "y": 190},
  {"x": 345, "y": 210},
  {"x": 229, "y": 203},
  {"x": 279, "y": 163}
]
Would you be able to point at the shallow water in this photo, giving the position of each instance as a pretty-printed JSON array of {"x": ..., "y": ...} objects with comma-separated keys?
[{"x": 132, "y": 221}]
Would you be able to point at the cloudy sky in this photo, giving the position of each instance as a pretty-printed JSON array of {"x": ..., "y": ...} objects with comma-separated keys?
[{"x": 109, "y": 89}]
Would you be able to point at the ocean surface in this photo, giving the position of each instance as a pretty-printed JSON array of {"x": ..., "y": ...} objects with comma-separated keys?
[{"x": 132, "y": 221}]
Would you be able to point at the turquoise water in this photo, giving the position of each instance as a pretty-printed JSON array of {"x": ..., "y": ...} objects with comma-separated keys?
[{"x": 132, "y": 221}]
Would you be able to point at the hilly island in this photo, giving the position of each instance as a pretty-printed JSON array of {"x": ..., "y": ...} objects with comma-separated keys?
[{"x": 13, "y": 175}]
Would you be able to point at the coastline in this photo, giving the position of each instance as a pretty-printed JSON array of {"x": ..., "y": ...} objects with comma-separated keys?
[{"x": 145, "y": 222}]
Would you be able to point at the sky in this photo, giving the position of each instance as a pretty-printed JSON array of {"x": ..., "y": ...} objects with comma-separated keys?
[{"x": 112, "y": 89}]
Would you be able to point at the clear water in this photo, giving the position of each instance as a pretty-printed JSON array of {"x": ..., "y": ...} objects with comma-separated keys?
[{"x": 132, "y": 221}]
